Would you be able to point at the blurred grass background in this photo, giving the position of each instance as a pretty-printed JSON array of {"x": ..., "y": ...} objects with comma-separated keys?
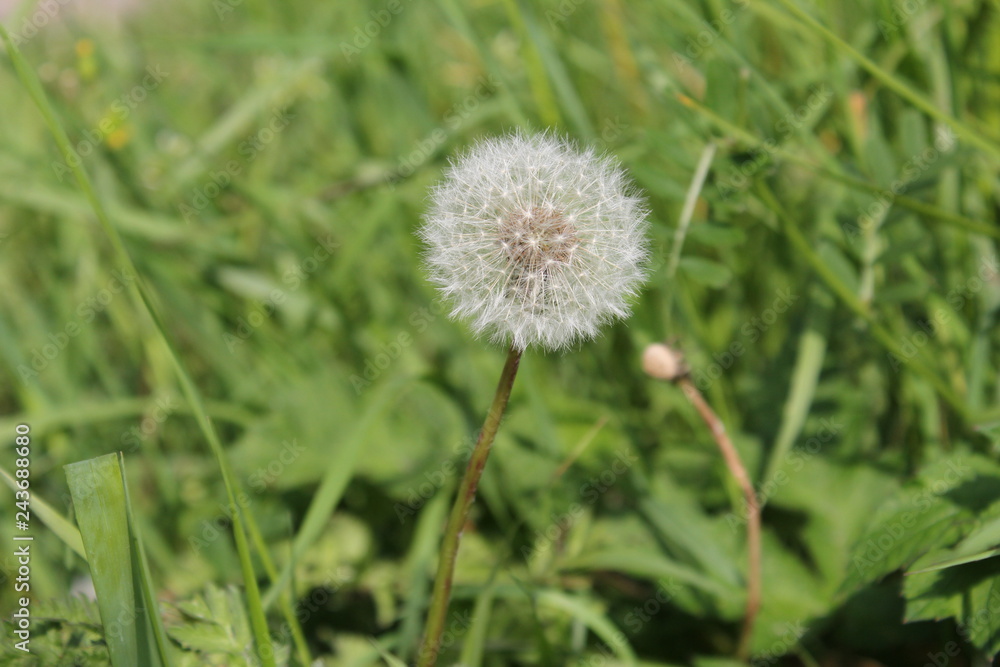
[{"x": 834, "y": 288}]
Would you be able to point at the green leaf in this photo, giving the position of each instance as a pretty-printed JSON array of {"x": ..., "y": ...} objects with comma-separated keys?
[
  {"x": 125, "y": 593},
  {"x": 717, "y": 235},
  {"x": 216, "y": 630},
  {"x": 932, "y": 512},
  {"x": 982, "y": 543},
  {"x": 841, "y": 267},
  {"x": 647, "y": 566},
  {"x": 808, "y": 364},
  {"x": 69, "y": 634},
  {"x": 585, "y": 613},
  {"x": 901, "y": 538},
  {"x": 687, "y": 532},
  {"x": 969, "y": 593},
  {"x": 706, "y": 271},
  {"x": 804, "y": 486}
]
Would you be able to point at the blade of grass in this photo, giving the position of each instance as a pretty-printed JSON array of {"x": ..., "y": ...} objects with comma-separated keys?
[
  {"x": 141, "y": 294},
  {"x": 861, "y": 309},
  {"x": 562, "y": 82},
  {"x": 648, "y": 565},
  {"x": 419, "y": 562},
  {"x": 237, "y": 120},
  {"x": 456, "y": 15},
  {"x": 95, "y": 412},
  {"x": 388, "y": 658},
  {"x": 56, "y": 522},
  {"x": 687, "y": 212},
  {"x": 757, "y": 79},
  {"x": 474, "y": 646},
  {"x": 540, "y": 87},
  {"x": 808, "y": 364},
  {"x": 599, "y": 623},
  {"x": 899, "y": 87},
  {"x": 145, "y": 579},
  {"x": 906, "y": 202},
  {"x": 132, "y": 221},
  {"x": 133, "y": 631}
]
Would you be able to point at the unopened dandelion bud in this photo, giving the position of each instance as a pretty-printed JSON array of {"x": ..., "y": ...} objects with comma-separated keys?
[{"x": 662, "y": 362}]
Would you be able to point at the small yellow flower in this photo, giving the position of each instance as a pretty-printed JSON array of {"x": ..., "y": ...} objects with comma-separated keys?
[
  {"x": 86, "y": 63},
  {"x": 118, "y": 137}
]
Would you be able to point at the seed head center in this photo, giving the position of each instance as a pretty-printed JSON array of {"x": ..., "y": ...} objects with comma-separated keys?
[{"x": 536, "y": 238}]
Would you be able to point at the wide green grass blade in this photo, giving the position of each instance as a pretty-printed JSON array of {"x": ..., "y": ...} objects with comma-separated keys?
[
  {"x": 808, "y": 364},
  {"x": 143, "y": 296},
  {"x": 133, "y": 630}
]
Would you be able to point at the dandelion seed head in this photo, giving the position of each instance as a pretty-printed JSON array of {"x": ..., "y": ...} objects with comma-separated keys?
[{"x": 535, "y": 241}]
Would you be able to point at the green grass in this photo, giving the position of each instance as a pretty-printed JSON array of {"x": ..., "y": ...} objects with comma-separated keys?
[{"x": 258, "y": 197}]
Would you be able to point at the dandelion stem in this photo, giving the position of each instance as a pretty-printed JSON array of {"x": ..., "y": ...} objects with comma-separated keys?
[
  {"x": 438, "y": 611},
  {"x": 739, "y": 472}
]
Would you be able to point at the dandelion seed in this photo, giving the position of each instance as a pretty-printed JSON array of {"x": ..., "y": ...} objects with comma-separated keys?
[{"x": 535, "y": 241}]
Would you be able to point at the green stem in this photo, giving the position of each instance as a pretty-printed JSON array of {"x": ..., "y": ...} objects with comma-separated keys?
[{"x": 438, "y": 610}]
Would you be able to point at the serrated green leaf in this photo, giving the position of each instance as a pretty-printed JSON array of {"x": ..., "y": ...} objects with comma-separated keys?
[
  {"x": 217, "y": 630},
  {"x": 205, "y": 638},
  {"x": 943, "y": 594},
  {"x": 683, "y": 526},
  {"x": 931, "y": 512},
  {"x": 982, "y": 543}
]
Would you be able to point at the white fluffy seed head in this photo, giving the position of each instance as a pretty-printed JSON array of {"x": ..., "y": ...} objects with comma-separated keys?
[{"x": 535, "y": 241}]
